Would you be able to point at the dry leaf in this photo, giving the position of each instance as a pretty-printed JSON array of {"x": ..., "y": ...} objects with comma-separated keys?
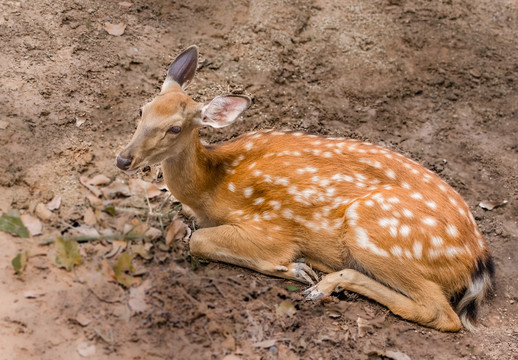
[
  {"x": 108, "y": 272},
  {"x": 363, "y": 327},
  {"x": 115, "y": 29},
  {"x": 43, "y": 212},
  {"x": 19, "y": 262},
  {"x": 137, "y": 297},
  {"x": 94, "y": 200},
  {"x": 389, "y": 354},
  {"x": 265, "y": 343},
  {"x": 154, "y": 233},
  {"x": 11, "y": 223},
  {"x": 122, "y": 268},
  {"x": 143, "y": 250},
  {"x": 490, "y": 205},
  {"x": 177, "y": 230},
  {"x": 82, "y": 319},
  {"x": 86, "y": 349},
  {"x": 85, "y": 230},
  {"x": 84, "y": 181},
  {"x": 99, "y": 179},
  {"x": 67, "y": 253},
  {"x": 32, "y": 224},
  {"x": 115, "y": 188},
  {"x": 117, "y": 247},
  {"x": 89, "y": 217},
  {"x": 286, "y": 308},
  {"x": 138, "y": 186},
  {"x": 125, "y": 4},
  {"x": 55, "y": 203},
  {"x": 397, "y": 355}
]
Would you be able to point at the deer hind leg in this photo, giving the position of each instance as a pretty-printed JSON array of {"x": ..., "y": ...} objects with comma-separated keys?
[
  {"x": 429, "y": 307},
  {"x": 250, "y": 248}
]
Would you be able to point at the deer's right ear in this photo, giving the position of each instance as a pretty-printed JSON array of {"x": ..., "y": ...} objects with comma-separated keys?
[
  {"x": 223, "y": 110},
  {"x": 182, "y": 69}
]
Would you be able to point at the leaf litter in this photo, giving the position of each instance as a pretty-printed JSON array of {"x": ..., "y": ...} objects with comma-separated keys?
[
  {"x": 11, "y": 223},
  {"x": 67, "y": 254}
]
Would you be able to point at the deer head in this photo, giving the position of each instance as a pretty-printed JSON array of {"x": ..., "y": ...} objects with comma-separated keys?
[{"x": 168, "y": 121}]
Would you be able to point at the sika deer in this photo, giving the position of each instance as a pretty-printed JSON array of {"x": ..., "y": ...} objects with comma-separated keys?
[{"x": 380, "y": 224}]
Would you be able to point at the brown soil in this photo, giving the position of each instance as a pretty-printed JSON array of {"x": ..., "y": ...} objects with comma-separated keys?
[{"x": 435, "y": 80}]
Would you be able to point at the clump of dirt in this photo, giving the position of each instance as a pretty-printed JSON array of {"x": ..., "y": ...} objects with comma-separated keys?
[{"x": 436, "y": 81}]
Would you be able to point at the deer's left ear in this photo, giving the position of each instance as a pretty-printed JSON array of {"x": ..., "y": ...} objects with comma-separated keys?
[
  {"x": 223, "y": 110},
  {"x": 182, "y": 69}
]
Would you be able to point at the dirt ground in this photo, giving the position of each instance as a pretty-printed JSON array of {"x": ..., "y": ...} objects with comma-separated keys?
[{"x": 434, "y": 80}]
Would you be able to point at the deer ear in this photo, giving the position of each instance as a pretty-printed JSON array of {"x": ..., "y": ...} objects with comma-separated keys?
[
  {"x": 183, "y": 68},
  {"x": 224, "y": 110}
]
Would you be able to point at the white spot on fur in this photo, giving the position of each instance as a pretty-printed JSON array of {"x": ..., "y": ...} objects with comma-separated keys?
[
  {"x": 451, "y": 251},
  {"x": 287, "y": 213},
  {"x": 248, "y": 192},
  {"x": 385, "y": 222},
  {"x": 452, "y": 200},
  {"x": 390, "y": 173},
  {"x": 416, "y": 196},
  {"x": 258, "y": 201},
  {"x": 407, "y": 213},
  {"x": 249, "y": 146},
  {"x": 393, "y": 231},
  {"x": 404, "y": 230},
  {"x": 434, "y": 253},
  {"x": 307, "y": 169},
  {"x": 252, "y": 165},
  {"x": 393, "y": 200},
  {"x": 276, "y": 205},
  {"x": 231, "y": 187},
  {"x": 362, "y": 237},
  {"x": 281, "y": 180},
  {"x": 396, "y": 251},
  {"x": 430, "y": 221},
  {"x": 405, "y": 185},
  {"x": 257, "y": 172},
  {"x": 351, "y": 214},
  {"x": 437, "y": 241},
  {"x": 369, "y": 203},
  {"x": 418, "y": 249},
  {"x": 431, "y": 204},
  {"x": 452, "y": 230}
]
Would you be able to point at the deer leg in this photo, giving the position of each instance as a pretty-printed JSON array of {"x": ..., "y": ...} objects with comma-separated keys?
[
  {"x": 429, "y": 308},
  {"x": 247, "y": 247}
]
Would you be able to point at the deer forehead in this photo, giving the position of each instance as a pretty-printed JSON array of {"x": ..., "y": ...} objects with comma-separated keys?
[{"x": 172, "y": 104}]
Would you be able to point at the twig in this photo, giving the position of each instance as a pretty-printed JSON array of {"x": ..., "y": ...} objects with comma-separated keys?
[
  {"x": 217, "y": 288},
  {"x": 86, "y": 238},
  {"x": 104, "y": 300},
  {"x": 186, "y": 294},
  {"x": 208, "y": 334}
]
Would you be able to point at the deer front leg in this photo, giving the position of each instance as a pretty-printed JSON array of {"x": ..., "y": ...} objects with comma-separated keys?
[{"x": 247, "y": 247}]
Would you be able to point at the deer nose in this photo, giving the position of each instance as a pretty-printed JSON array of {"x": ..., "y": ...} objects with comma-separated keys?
[{"x": 124, "y": 163}]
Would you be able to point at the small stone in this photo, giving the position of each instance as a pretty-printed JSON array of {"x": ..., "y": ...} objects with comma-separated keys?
[{"x": 42, "y": 212}]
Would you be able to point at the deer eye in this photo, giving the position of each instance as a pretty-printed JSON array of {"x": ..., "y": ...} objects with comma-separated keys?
[{"x": 174, "y": 129}]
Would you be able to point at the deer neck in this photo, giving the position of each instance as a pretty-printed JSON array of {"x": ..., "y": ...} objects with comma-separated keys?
[{"x": 192, "y": 175}]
